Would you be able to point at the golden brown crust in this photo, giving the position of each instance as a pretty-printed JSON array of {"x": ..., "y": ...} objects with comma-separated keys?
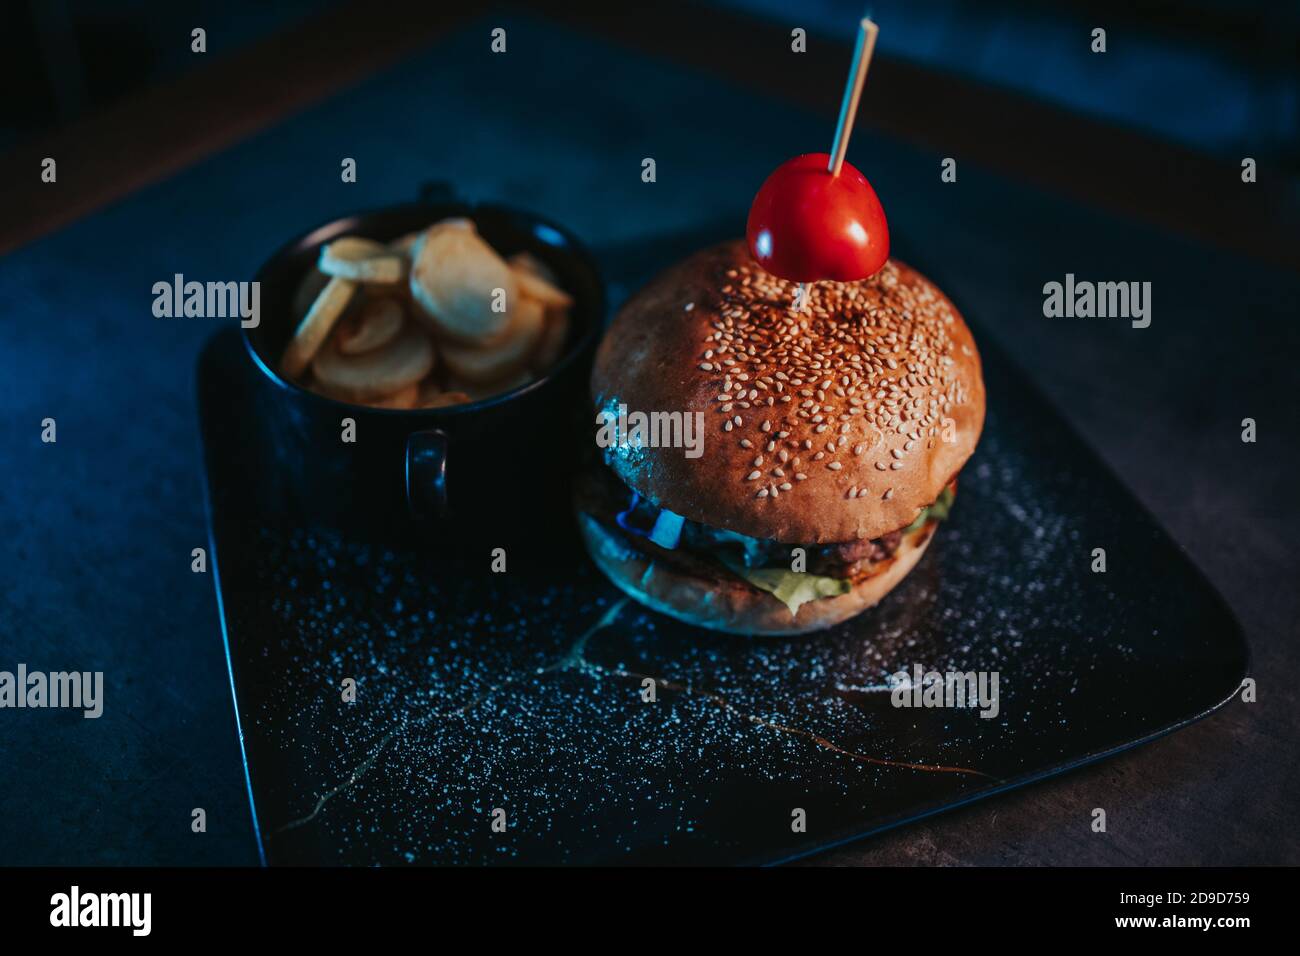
[
  {"x": 735, "y": 606},
  {"x": 836, "y": 381}
]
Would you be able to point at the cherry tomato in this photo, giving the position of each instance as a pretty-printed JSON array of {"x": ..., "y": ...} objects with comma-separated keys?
[{"x": 806, "y": 224}]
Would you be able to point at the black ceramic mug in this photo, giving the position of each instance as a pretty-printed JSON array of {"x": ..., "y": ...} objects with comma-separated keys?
[{"x": 502, "y": 461}]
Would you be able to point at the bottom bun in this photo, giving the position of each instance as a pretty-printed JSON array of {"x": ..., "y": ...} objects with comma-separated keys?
[{"x": 733, "y": 605}]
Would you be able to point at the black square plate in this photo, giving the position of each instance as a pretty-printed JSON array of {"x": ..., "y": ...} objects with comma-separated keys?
[{"x": 522, "y": 692}]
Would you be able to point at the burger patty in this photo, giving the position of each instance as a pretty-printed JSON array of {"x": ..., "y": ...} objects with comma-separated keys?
[
  {"x": 603, "y": 496},
  {"x": 848, "y": 559}
]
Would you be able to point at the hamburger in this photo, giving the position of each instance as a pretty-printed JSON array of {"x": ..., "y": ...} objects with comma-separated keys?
[{"x": 833, "y": 432}]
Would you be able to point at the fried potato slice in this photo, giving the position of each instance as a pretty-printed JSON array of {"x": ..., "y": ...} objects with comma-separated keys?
[
  {"x": 477, "y": 391},
  {"x": 444, "y": 400},
  {"x": 403, "y": 245},
  {"x": 362, "y": 260},
  {"x": 455, "y": 276},
  {"x": 503, "y": 358},
  {"x": 374, "y": 375},
  {"x": 308, "y": 290},
  {"x": 551, "y": 345},
  {"x": 404, "y": 398},
  {"x": 407, "y": 398},
  {"x": 528, "y": 262},
  {"x": 536, "y": 285},
  {"x": 373, "y": 325},
  {"x": 316, "y": 325},
  {"x": 433, "y": 396}
]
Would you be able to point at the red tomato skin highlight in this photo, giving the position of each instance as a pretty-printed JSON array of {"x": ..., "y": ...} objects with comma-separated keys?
[{"x": 806, "y": 225}]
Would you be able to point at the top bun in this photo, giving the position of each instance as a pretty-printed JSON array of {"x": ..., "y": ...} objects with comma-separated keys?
[{"x": 829, "y": 425}]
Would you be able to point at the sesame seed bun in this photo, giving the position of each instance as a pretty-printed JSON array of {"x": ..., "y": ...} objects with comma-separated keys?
[
  {"x": 883, "y": 370},
  {"x": 734, "y": 606}
]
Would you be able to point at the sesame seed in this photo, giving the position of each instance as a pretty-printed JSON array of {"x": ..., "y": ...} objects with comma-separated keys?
[
  {"x": 843, "y": 347},
  {"x": 835, "y": 466},
  {"x": 786, "y": 486},
  {"x": 753, "y": 476},
  {"x": 889, "y": 493},
  {"x": 800, "y": 476}
]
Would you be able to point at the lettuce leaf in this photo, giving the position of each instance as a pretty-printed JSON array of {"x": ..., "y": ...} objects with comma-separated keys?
[
  {"x": 942, "y": 505},
  {"x": 793, "y": 588},
  {"x": 935, "y": 512}
]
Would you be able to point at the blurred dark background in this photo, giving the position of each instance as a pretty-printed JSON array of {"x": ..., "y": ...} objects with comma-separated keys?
[{"x": 1215, "y": 76}]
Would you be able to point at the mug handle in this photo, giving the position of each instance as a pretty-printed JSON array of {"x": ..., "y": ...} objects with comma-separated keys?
[{"x": 426, "y": 474}]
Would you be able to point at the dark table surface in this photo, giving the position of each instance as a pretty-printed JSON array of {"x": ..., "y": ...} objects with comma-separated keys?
[{"x": 98, "y": 528}]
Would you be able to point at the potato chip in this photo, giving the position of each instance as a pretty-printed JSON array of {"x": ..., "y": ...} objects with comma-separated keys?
[
  {"x": 369, "y": 327},
  {"x": 478, "y": 391},
  {"x": 455, "y": 222},
  {"x": 405, "y": 360},
  {"x": 444, "y": 400},
  {"x": 404, "y": 244},
  {"x": 528, "y": 262},
  {"x": 316, "y": 325},
  {"x": 308, "y": 290},
  {"x": 455, "y": 279},
  {"x": 535, "y": 287},
  {"x": 433, "y": 396},
  {"x": 362, "y": 260},
  {"x": 501, "y": 358},
  {"x": 406, "y": 398},
  {"x": 551, "y": 345},
  {"x": 352, "y": 249}
]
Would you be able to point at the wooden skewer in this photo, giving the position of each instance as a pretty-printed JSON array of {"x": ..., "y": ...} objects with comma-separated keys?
[{"x": 862, "y": 50}]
